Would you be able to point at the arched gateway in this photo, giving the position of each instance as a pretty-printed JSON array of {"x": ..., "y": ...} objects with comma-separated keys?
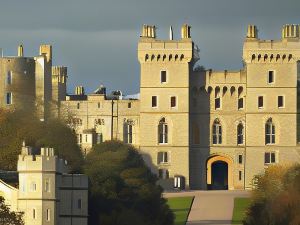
[{"x": 219, "y": 173}]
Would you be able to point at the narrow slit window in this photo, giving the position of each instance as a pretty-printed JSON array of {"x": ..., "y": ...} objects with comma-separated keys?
[
  {"x": 9, "y": 98},
  {"x": 260, "y": 102},
  {"x": 154, "y": 101},
  {"x": 163, "y": 76},
  {"x": 271, "y": 77},
  {"x": 280, "y": 101},
  {"x": 173, "y": 101}
]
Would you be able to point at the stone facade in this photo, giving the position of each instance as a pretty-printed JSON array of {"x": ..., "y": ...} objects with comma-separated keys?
[
  {"x": 210, "y": 117},
  {"x": 46, "y": 193}
]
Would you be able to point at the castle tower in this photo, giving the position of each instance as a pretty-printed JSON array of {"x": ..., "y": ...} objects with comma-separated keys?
[
  {"x": 271, "y": 100},
  {"x": 166, "y": 66},
  {"x": 43, "y": 82},
  {"x": 17, "y": 76},
  {"x": 38, "y": 181},
  {"x": 59, "y": 85}
]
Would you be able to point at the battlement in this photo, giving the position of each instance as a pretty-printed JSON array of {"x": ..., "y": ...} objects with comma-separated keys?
[
  {"x": 79, "y": 90},
  {"x": 285, "y": 50},
  {"x": 47, "y": 51},
  {"x": 151, "y": 49},
  {"x": 225, "y": 77},
  {"x": 45, "y": 161},
  {"x": 59, "y": 74}
]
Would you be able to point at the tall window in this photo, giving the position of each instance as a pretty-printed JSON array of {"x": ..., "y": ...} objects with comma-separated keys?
[
  {"x": 78, "y": 105},
  {"x": 162, "y": 157},
  {"x": 240, "y": 98},
  {"x": 9, "y": 77},
  {"x": 48, "y": 215},
  {"x": 99, "y": 137},
  {"x": 271, "y": 77},
  {"x": 217, "y": 98},
  {"x": 9, "y": 98},
  {"x": 280, "y": 102},
  {"x": 270, "y": 132},
  {"x": 240, "y": 134},
  {"x": 173, "y": 102},
  {"x": 240, "y": 159},
  {"x": 33, "y": 214},
  {"x": 154, "y": 101},
  {"x": 128, "y": 127},
  {"x": 270, "y": 157},
  {"x": 33, "y": 186},
  {"x": 260, "y": 102},
  {"x": 129, "y": 105},
  {"x": 47, "y": 185},
  {"x": 217, "y": 132},
  {"x": 163, "y": 76},
  {"x": 79, "y": 203},
  {"x": 196, "y": 134},
  {"x": 163, "y": 131}
]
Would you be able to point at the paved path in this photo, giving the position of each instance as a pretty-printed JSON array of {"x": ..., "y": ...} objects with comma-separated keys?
[{"x": 211, "y": 207}]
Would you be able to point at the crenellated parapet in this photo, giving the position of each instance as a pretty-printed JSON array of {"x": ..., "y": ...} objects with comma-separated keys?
[
  {"x": 59, "y": 74},
  {"x": 285, "y": 50},
  {"x": 151, "y": 49}
]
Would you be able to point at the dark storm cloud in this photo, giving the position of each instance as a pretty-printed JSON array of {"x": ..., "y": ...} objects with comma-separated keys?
[{"x": 97, "y": 40}]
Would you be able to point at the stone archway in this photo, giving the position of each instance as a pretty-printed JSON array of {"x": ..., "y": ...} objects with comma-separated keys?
[{"x": 219, "y": 173}]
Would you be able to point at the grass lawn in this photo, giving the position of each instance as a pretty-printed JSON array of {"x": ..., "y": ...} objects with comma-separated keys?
[
  {"x": 240, "y": 207},
  {"x": 181, "y": 208}
]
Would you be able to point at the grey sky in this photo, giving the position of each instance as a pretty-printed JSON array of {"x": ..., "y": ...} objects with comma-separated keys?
[{"x": 97, "y": 39}]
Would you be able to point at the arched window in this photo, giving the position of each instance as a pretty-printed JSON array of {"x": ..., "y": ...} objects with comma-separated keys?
[
  {"x": 128, "y": 127},
  {"x": 162, "y": 131},
  {"x": 217, "y": 132},
  {"x": 240, "y": 134},
  {"x": 270, "y": 132}
]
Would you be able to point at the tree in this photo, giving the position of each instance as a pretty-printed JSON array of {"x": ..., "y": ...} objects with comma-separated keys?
[
  {"x": 122, "y": 188},
  {"x": 17, "y": 126},
  {"x": 7, "y": 217},
  {"x": 276, "y": 198}
]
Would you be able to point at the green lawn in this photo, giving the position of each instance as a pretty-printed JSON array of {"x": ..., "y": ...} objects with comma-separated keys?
[
  {"x": 181, "y": 208},
  {"x": 240, "y": 207}
]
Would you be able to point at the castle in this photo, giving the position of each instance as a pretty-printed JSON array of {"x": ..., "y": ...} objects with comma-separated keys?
[
  {"x": 196, "y": 128},
  {"x": 45, "y": 192}
]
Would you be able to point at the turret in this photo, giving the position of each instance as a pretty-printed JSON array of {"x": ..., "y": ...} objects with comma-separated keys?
[
  {"x": 148, "y": 31},
  {"x": 79, "y": 90},
  {"x": 20, "y": 51},
  {"x": 252, "y": 32},
  {"x": 185, "y": 31},
  {"x": 47, "y": 51},
  {"x": 290, "y": 31}
]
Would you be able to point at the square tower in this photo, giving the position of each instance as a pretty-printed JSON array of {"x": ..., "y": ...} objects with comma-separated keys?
[{"x": 166, "y": 66}]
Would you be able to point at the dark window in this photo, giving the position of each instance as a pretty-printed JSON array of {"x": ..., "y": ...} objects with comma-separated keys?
[
  {"x": 240, "y": 175},
  {"x": 79, "y": 204},
  {"x": 163, "y": 76},
  {"x": 280, "y": 101},
  {"x": 78, "y": 105},
  {"x": 260, "y": 101},
  {"x": 271, "y": 77},
  {"x": 217, "y": 98},
  {"x": 99, "y": 105},
  {"x": 9, "y": 98},
  {"x": 240, "y": 159},
  {"x": 240, "y": 103},
  {"x": 162, "y": 157},
  {"x": 163, "y": 174},
  {"x": 99, "y": 138},
  {"x": 154, "y": 101},
  {"x": 128, "y": 133},
  {"x": 129, "y": 105},
  {"x": 173, "y": 101},
  {"x": 240, "y": 134},
  {"x": 270, "y": 157},
  {"x": 9, "y": 77}
]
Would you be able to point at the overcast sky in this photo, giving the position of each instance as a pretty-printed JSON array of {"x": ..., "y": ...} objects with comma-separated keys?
[{"x": 97, "y": 39}]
